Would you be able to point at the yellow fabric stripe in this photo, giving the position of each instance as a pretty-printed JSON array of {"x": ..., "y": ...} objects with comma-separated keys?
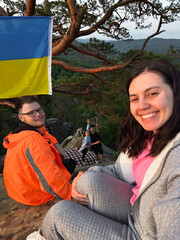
[{"x": 24, "y": 77}]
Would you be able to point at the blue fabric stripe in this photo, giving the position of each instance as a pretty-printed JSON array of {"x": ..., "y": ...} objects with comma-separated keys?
[{"x": 24, "y": 37}]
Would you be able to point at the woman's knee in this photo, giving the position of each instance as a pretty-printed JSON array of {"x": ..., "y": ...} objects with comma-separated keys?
[{"x": 89, "y": 181}]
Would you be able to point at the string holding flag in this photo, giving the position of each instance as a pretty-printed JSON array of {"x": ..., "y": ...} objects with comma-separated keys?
[{"x": 25, "y": 56}]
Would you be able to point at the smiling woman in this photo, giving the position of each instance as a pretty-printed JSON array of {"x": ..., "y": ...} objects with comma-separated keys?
[
  {"x": 129, "y": 200},
  {"x": 151, "y": 100},
  {"x": 154, "y": 91}
]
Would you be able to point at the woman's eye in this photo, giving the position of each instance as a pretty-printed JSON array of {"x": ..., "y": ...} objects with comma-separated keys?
[
  {"x": 152, "y": 93},
  {"x": 133, "y": 99}
]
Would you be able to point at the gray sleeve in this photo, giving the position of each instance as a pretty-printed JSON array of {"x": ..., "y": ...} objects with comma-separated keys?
[{"x": 166, "y": 210}]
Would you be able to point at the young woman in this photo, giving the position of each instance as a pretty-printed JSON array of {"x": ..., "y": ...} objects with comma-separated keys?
[
  {"x": 85, "y": 144},
  {"x": 139, "y": 196}
]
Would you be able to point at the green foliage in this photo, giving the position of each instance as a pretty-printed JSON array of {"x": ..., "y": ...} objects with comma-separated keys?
[
  {"x": 15, "y": 7},
  {"x": 99, "y": 46},
  {"x": 173, "y": 52},
  {"x": 5, "y": 130},
  {"x": 110, "y": 99},
  {"x": 109, "y": 132},
  {"x": 7, "y": 121},
  {"x": 107, "y": 90}
]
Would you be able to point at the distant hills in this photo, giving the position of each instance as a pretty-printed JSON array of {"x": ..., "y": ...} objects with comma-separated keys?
[{"x": 156, "y": 45}]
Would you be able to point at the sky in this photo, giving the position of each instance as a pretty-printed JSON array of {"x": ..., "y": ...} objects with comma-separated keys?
[{"x": 172, "y": 30}]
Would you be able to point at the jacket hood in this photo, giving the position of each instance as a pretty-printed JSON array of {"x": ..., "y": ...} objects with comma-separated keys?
[
  {"x": 18, "y": 134},
  {"x": 23, "y": 127},
  {"x": 11, "y": 140}
]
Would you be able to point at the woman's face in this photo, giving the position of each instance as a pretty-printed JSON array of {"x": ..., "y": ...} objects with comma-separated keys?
[
  {"x": 151, "y": 100},
  {"x": 86, "y": 133}
]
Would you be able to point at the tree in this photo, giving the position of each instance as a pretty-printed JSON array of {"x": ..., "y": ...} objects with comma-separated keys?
[
  {"x": 74, "y": 19},
  {"x": 173, "y": 52}
]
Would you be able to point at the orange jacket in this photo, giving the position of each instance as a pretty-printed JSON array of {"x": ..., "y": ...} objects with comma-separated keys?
[{"x": 33, "y": 170}]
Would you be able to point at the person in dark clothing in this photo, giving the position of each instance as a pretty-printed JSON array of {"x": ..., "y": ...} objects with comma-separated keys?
[{"x": 95, "y": 145}]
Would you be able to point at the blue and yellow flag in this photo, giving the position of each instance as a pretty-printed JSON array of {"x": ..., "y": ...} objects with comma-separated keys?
[{"x": 25, "y": 56}]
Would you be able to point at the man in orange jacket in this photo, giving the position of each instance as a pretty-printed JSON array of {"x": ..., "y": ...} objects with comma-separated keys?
[{"x": 33, "y": 170}]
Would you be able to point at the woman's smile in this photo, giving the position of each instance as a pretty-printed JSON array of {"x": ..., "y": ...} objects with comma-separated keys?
[{"x": 151, "y": 100}]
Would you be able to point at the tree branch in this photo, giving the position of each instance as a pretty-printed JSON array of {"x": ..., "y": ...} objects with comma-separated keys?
[
  {"x": 151, "y": 36},
  {"x": 66, "y": 85},
  {"x": 108, "y": 84},
  {"x": 7, "y": 103},
  {"x": 98, "y": 108},
  {"x": 110, "y": 68},
  {"x": 46, "y": 5},
  {"x": 30, "y": 8},
  {"x": 73, "y": 30},
  {"x": 86, "y": 70},
  {"x": 71, "y": 93},
  {"x": 106, "y": 16},
  {"x": 98, "y": 56},
  {"x": 87, "y": 92},
  {"x": 73, "y": 10},
  {"x": 3, "y": 12}
]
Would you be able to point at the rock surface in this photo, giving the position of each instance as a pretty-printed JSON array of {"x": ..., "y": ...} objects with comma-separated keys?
[
  {"x": 76, "y": 141},
  {"x": 17, "y": 221},
  {"x": 59, "y": 129}
]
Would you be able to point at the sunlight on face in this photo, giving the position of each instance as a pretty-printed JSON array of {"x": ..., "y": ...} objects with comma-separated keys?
[
  {"x": 37, "y": 121},
  {"x": 151, "y": 100}
]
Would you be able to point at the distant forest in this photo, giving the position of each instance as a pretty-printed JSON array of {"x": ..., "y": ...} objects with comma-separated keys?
[
  {"x": 110, "y": 97},
  {"x": 153, "y": 44}
]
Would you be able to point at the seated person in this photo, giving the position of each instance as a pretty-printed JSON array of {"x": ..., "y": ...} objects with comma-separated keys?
[
  {"x": 33, "y": 169},
  {"x": 137, "y": 198}
]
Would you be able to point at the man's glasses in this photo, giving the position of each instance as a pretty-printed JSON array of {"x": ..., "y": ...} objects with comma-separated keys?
[{"x": 33, "y": 112}]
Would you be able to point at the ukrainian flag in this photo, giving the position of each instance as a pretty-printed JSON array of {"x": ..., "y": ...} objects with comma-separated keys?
[{"x": 25, "y": 56}]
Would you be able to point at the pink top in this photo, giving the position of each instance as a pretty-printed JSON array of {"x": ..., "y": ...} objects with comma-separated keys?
[{"x": 140, "y": 165}]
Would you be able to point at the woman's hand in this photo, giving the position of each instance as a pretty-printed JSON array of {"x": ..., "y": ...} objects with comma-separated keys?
[{"x": 78, "y": 197}]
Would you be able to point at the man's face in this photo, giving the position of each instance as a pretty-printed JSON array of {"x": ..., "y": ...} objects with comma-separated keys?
[
  {"x": 92, "y": 130},
  {"x": 32, "y": 114}
]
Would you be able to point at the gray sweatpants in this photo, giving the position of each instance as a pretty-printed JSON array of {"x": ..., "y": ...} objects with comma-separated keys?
[{"x": 105, "y": 218}]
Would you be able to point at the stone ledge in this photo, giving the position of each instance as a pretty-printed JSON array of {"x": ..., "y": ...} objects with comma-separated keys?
[{"x": 17, "y": 221}]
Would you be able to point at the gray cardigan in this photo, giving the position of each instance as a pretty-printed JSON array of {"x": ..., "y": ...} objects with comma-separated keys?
[{"x": 156, "y": 211}]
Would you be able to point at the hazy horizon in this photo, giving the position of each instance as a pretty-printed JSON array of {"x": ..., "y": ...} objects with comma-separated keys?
[{"x": 130, "y": 39}]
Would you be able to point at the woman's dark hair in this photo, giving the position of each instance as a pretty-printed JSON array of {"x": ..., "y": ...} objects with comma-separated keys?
[
  {"x": 85, "y": 132},
  {"x": 133, "y": 137},
  {"x": 26, "y": 99}
]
